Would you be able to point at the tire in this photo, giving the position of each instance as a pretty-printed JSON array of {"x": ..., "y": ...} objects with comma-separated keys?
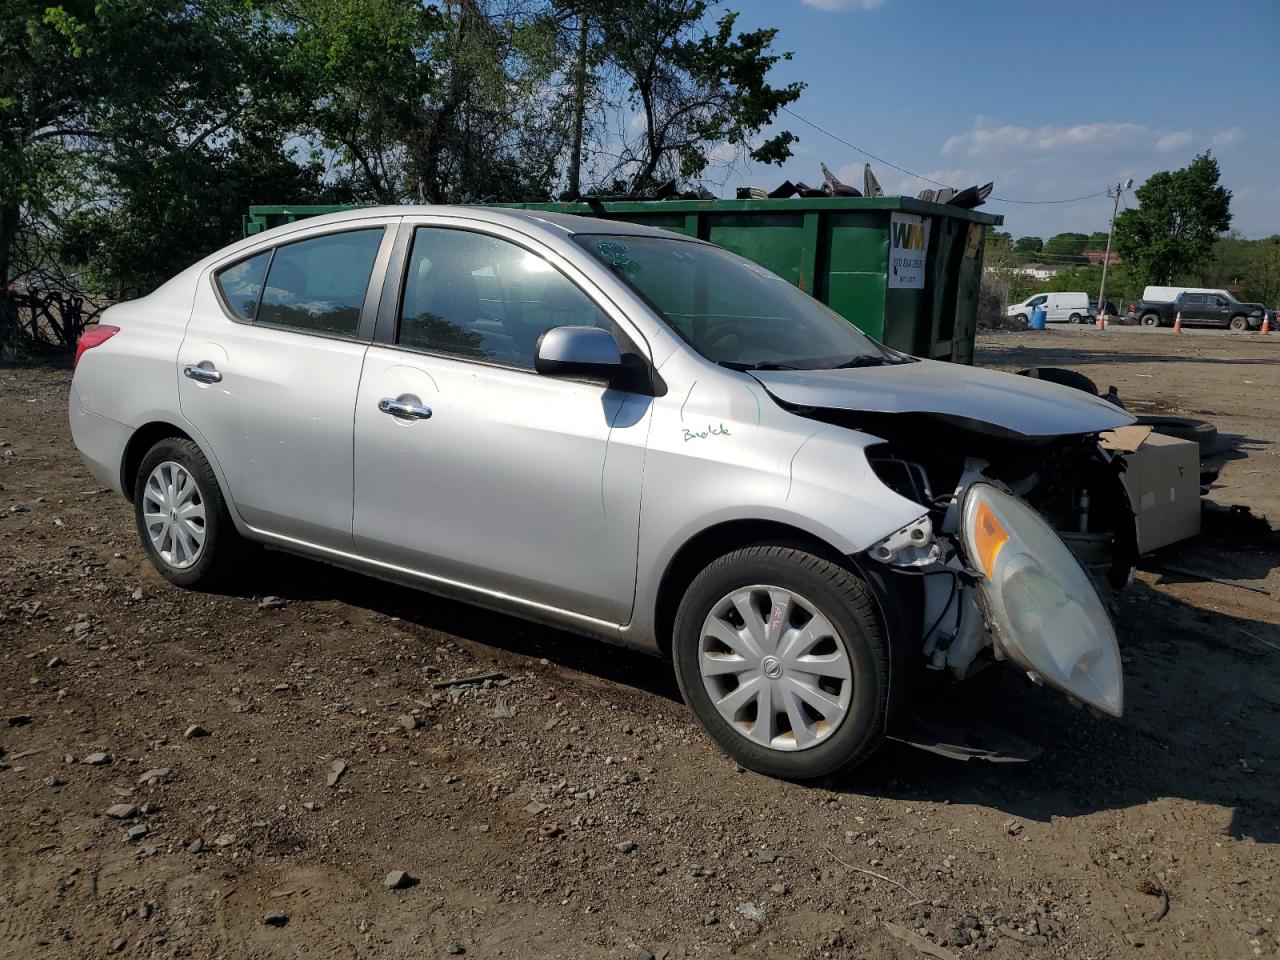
[
  {"x": 1151, "y": 320},
  {"x": 1183, "y": 428},
  {"x": 1022, "y": 318},
  {"x": 1059, "y": 375},
  {"x": 1075, "y": 318},
  {"x": 217, "y": 553},
  {"x": 814, "y": 585},
  {"x": 1239, "y": 323}
]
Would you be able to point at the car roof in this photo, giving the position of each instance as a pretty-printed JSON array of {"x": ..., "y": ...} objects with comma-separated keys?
[{"x": 565, "y": 224}]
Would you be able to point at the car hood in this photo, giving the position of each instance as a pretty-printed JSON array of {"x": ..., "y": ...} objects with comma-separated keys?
[{"x": 1006, "y": 401}]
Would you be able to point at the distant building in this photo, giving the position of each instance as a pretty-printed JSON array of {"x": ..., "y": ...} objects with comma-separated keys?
[
  {"x": 1037, "y": 271},
  {"x": 1097, "y": 256}
]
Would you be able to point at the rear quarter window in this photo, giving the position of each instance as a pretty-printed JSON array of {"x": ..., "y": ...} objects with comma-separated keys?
[{"x": 241, "y": 284}]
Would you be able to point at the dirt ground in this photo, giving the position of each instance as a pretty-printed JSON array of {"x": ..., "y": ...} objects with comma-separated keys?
[{"x": 571, "y": 808}]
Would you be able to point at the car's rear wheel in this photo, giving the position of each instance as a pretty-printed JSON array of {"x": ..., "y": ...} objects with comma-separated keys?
[
  {"x": 181, "y": 515},
  {"x": 1239, "y": 323},
  {"x": 1075, "y": 318},
  {"x": 781, "y": 657},
  {"x": 1151, "y": 319}
]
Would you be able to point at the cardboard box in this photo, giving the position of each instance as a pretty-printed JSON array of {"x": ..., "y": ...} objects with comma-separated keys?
[{"x": 1162, "y": 476}]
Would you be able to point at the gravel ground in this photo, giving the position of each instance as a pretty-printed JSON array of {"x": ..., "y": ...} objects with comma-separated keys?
[{"x": 245, "y": 774}]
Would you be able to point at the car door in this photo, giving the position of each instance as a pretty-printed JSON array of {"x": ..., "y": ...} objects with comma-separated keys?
[
  {"x": 1054, "y": 311},
  {"x": 1220, "y": 308},
  {"x": 1194, "y": 308},
  {"x": 471, "y": 469},
  {"x": 268, "y": 372}
]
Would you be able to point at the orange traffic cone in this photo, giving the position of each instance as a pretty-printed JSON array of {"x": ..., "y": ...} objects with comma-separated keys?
[
  {"x": 1177, "y": 323},
  {"x": 1101, "y": 322},
  {"x": 1266, "y": 323}
]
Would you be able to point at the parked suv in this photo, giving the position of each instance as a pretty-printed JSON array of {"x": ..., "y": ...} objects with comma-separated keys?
[{"x": 630, "y": 434}]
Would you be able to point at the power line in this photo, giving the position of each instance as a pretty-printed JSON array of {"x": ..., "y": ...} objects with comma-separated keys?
[{"x": 912, "y": 173}]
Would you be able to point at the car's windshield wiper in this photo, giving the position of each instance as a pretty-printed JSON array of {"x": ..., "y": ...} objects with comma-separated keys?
[
  {"x": 762, "y": 365},
  {"x": 865, "y": 361}
]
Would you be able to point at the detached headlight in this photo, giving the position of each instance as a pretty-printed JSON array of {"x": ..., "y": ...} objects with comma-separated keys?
[{"x": 1045, "y": 611}]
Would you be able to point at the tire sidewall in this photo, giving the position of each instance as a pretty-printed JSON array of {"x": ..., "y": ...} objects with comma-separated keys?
[
  {"x": 862, "y": 728},
  {"x": 217, "y": 521}
]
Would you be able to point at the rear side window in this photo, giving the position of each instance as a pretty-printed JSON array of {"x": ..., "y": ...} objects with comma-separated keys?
[
  {"x": 241, "y": 284},
  {"x": 319, "y": 285}
]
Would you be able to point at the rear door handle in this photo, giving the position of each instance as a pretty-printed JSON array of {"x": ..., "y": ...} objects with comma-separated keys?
[
  {"x": 406, "y": 407},
  {"x": 204, "y": 371}
]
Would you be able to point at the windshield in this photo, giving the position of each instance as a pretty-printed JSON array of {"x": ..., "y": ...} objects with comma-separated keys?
[{"x": 733, "y": 311}]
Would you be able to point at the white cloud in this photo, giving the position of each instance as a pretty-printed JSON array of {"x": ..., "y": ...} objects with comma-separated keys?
[
  {"x": 1224, "y": 138},
  {"x": 983, "y": 140},
  {"x": 1173, "y": 141},
  {"x": 843, "y": 4}
]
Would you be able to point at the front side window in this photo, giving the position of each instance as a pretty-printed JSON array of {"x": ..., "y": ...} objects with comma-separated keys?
[
  {"x": 732, "y": 311},
  {"x": 479, "y": 297},
  {"x": 241, "y": 284},
  {"x": 319, "y": 285}
]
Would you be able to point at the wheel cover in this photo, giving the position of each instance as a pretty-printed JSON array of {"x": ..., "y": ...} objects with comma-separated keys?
[
  {"x": 775, "y": 667},
  {"x": 173, "y": 514}
]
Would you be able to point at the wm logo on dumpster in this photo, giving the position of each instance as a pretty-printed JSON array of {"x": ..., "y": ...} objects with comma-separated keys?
[{"x": 908, "y": 236}]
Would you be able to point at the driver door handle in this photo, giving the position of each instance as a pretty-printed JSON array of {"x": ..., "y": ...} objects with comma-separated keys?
[
  {"x": 204, "y": 372},
  {"x": 405, "y": 407}
]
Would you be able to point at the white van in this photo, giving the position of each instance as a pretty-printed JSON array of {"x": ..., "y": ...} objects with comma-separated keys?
[
  {"x": 1058, "y": 307},
  {"x": 1170, "y": 294}
]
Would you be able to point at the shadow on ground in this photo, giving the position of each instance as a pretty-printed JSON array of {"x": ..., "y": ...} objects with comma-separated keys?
[{"x": 1202, "y": 705}]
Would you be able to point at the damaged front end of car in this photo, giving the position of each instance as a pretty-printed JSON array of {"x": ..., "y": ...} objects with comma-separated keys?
[
  {"x": 1016, "y": 553},
  {"x": 1024, "y": 532}
]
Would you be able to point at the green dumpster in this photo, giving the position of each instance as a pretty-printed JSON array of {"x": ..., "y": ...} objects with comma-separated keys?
[{"x": 906, "y": 271}]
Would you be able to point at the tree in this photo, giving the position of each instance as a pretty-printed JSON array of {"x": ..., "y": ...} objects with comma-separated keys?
[
  {"x": 696, "y": 93},
  {"x": 1179, "y": 214},
  {"x": 1067, "y": 247},
  {"x": 99, "y": 96},
  {"x": 1028, "y": 245}
]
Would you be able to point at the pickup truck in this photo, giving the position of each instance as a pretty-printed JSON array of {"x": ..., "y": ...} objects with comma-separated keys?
[{"x": 1199, "y": 309}]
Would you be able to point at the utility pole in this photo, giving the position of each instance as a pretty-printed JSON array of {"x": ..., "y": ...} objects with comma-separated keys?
[
  {"x": 1115, "y": 193},
  {"x": 579, "y": 112}
]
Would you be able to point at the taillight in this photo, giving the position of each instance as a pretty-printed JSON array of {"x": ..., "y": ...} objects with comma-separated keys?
[{"x": 94, "y": 336}]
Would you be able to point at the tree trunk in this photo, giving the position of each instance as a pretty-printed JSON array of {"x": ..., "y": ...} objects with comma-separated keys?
[
  {"x": 9, "y": 216},
  {"x": 579, "y": 112}
]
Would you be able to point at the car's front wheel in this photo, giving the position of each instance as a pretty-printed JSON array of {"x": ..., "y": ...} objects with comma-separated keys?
[
  {"x": 781, "y": 657},
  {"x": 182, "y": 518}
]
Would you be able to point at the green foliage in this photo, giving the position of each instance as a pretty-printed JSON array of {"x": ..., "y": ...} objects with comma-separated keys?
[
  {"x": 1180, "y": 214},
  {"x": 1253, "y": 264},
  {"x": 699, "y": 95},
  {"x": 1066, "y": 247},
  {"x": 1028, "y": 245}
]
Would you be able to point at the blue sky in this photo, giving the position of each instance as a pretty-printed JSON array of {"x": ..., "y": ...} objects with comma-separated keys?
[{"x": 1049, "y": 99}]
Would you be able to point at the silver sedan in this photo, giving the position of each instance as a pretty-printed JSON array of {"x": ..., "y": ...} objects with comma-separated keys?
[{"x": 629, "y": 434}]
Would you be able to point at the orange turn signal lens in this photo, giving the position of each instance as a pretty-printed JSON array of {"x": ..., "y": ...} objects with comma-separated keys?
[{"x": 988, "y": 537}]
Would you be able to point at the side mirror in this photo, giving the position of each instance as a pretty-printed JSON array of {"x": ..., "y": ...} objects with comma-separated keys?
[{"x": 578, "y": 353}]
